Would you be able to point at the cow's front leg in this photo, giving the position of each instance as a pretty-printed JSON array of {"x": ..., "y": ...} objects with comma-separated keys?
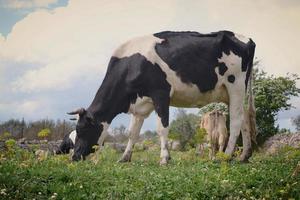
[
  {"x": 236, "y": 116},
  {"x": 163, "y": 134},
  {"x": 134, "y": 130},
  {"x": 161, "y": 101}
]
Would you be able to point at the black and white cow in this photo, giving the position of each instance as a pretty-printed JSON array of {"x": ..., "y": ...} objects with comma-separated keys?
[
  {"x": 181, "y": 69},
  {"x": 67, "y": 144}
]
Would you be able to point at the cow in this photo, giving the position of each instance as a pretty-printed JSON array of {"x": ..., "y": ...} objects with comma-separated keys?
[
  {"x": 153, "y": 72},
  {"x": 214, "y": 123},
  {"x": 67, "y": 144}
]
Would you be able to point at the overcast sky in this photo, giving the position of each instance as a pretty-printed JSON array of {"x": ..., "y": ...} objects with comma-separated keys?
[{"x": 54, "y": 53}]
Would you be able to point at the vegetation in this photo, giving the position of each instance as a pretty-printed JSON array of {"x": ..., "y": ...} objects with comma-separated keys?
[
  {"x": 30, "y": 130},
  {"x": 272, "y": 94},
  {"x": 296, "y": 122},
  {"x": 213, "y": 106},
  {"x": 183, "y": 128},
  {"x": 22, "y": 176}
]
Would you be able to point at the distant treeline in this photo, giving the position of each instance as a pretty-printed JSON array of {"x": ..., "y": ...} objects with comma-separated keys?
[
  {"x": 56, "y": 130},
  {"x": 22, "y": 129}
]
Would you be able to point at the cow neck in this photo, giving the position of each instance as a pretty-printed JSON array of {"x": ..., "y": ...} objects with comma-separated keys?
[{"x": 105, "y": 105}]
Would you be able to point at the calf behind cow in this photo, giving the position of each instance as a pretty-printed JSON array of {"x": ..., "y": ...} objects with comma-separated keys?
[
  {"x": 67, "y": 144},
  {"x": 214, "y": 123}
]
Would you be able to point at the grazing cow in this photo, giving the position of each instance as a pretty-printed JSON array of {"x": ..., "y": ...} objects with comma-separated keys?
[
  {"x": 214, "y": 123},
  {"x": 181, "y": 69},
  {"x": 67, "y": 144}
]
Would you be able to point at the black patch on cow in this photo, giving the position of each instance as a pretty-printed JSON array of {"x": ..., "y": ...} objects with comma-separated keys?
[
  {"x": 222, "y": 68},
  {"x": 231, "y": 78},
  {"x": 193, "y": 56},
  {"x": 126, "y": 79}
]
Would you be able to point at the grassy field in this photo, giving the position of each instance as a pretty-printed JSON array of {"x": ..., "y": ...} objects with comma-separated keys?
[{"x": 23, "y": 176}]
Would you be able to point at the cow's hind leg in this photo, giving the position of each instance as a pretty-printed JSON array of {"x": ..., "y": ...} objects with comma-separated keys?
[
  {"x": 161, "y": 101},
  {"x": 134, "y": 130},
  {"x": 236, "y": 95},
  {"x": 246, "y": 135}
]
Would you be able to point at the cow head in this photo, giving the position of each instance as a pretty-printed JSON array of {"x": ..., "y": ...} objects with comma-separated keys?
[{"x": 88, "y": 133}]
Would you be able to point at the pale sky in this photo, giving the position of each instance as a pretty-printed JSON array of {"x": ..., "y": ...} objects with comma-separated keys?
[{"x": 54, "y": 53}]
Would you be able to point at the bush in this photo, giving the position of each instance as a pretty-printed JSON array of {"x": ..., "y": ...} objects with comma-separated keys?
[{"x": 44, "y": 133}]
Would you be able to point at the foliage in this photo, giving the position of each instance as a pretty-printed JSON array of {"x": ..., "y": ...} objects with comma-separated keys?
[
  {"x": 272, "y": 94},
  {"x": 296, "y": 122},
  {"x": 6, "y": 135},
  {"x": 186, "y": 177},
  {"x": 213, "y": 106},
  {"x": 44, "y": 133},
  {"x": 120, "y": 134},
  {"x": 183, "y": 128},
  {"x": 149, "y": 135},
  {"x": 199, "y": 136},
  {"x": 11, "y": 143},
  {"x": 21, "y": 128}
]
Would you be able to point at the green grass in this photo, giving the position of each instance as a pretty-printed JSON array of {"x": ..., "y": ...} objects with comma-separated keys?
[{"x": 22, "y": 176}]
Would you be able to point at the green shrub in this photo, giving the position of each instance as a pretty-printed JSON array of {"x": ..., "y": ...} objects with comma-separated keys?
[
  {"x": 44, "y": 133},
  {"x": 6, "y": 135},
  {"x": 10, "y": 144}
]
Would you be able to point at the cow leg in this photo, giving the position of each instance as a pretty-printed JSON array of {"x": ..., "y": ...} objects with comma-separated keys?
[
  {"x": 163, "y": 134},
  {"x": 103, "y": 135},
  {"x": 247, "y": 148},
  {"x": 134, "y": 131},
  {"x": 161, "y": 101},
  {"x": 236, "y": 111}
]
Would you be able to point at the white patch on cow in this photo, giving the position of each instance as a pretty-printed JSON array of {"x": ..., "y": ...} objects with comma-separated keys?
[
  {"x": 234, "y": 64},
  {"x": 143, "y": 45},
  {"x": 242, "y": 38},
  {"x": 142, "y": 107},
  {"x": 72, "y": 136}
]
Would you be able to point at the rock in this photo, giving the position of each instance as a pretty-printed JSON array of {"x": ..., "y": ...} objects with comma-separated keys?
[
  {"x": 175, "y": 145},
  {"x": 276, "y": 142},
  {"x": 120, "y": 148}
]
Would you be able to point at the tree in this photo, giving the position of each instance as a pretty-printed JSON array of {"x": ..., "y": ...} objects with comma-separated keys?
[
  {"x": 149, "y": 135},
  {"x": 183, "y": 128},
  {"x": 296, "y": 122},
  {"x": 272, "y": 94},
  {"x": 120, "y": 134}
]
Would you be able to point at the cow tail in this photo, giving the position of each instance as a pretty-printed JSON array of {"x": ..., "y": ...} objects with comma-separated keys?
[{"x": 251, "y": 103}]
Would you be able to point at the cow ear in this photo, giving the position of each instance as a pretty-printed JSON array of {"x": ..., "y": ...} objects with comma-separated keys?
[{"x": 79, "y": 111}]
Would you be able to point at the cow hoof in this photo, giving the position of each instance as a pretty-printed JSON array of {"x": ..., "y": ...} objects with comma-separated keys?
[
  {"x": 244, "y": 158},
  {"x": 164, "y": 161},
  {"x": 125, "y": 158}
]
